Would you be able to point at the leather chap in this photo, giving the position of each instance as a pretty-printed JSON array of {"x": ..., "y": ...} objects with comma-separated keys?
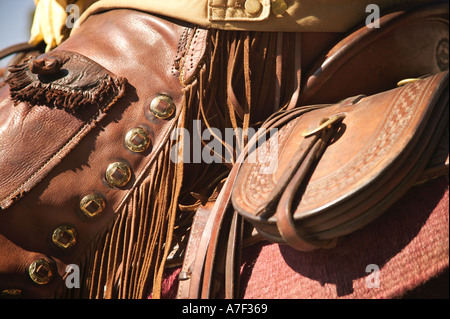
[{"x": 67, "y": 176}]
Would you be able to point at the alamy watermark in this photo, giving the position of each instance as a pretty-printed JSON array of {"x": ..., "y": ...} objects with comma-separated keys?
[
  {"x": 74, "y": 13},
  {"x": 373, "y": 279},
  {"x": 372, "y": 19},
  {"x": 72, "y": 279},
  {"x": 212, "y": 145}
]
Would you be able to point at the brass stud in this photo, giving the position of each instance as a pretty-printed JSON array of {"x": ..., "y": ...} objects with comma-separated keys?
[
  {"x": 64, "y": 237},
  {"x": 118, "y": 174},
  {"x": 40, "y": 271},
  {"x": 162, "y": 107},
  {"x": 279, "y": 6},
  {"x": 92, "y": 205},
  {"x": 137, "y": 140},
  {"x": 252, "y": 6}
]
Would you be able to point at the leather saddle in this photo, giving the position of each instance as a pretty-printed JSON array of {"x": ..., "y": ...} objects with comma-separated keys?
[
  {"x": 327, "y": 171},
  {"x": 346, "y": 163},
  {"x": 331, "y": 168}
]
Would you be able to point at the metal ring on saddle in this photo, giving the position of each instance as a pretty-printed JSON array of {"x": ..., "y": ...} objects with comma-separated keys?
[
  {"x": 407, "y": 81},
  {"x": 326, "y": 123}
]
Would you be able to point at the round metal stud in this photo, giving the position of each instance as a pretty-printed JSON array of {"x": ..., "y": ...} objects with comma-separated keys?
[
  {"x": 252, "y": 6},
  {"x": 137, "y": 140},
  {"x": 162, "y": 107},
  {"x": 40, "y": 271},
  {"x": 92, "y": 205},
  {"x": 118, "y": 174},
  {"x": 64, "y": 237},
  {"x": 279, "y": 6}
]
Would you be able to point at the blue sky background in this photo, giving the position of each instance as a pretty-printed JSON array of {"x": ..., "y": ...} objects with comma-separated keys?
[{"x": 15, "y": 23}]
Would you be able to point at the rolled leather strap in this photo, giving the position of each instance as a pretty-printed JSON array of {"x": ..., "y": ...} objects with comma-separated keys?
[
  {"x": 375, "y": 59},
  {"x": 285, "y": 221}
]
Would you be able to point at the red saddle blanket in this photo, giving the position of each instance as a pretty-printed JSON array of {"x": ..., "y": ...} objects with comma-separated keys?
[{"x": 394, "y": 254}]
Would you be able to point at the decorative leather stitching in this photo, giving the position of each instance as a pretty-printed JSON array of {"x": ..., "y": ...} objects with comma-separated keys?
[
  {"x": 194, "y": 56},
  {"x": 403, "y": 108}
]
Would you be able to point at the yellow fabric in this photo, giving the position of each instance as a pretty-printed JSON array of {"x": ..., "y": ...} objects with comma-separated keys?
[
  {"x": 49, "y": 21},
  {"x": 256, "y": 15}
]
